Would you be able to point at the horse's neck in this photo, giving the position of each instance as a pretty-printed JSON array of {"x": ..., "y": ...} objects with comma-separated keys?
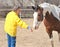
[
  {"x": 50, "y": 18},
  {"x": 54, "y": 9},
  {"x": 51, "y": 8}
]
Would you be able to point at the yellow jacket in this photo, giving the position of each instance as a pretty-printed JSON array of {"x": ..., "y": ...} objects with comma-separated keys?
[{"x": 11, "y": 22}]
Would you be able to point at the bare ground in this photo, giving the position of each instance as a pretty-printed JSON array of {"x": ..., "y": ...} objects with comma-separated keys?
[{"x": 25, "y": 38}]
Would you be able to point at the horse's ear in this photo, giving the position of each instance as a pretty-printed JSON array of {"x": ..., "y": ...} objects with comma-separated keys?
[
  {"x": 38, "y": 6},
  {"x": 47, "y": 13},
  {"x": 33, "y": 7}
]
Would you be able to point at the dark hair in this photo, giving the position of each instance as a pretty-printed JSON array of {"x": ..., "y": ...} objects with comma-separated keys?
[{"x": 16, "y": 7}]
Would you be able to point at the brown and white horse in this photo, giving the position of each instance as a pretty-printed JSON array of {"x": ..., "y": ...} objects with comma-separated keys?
[{"x": 51, "y": 23}]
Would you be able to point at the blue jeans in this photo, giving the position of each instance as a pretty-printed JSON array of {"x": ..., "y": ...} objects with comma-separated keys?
[{"x": 11, "y": 41}]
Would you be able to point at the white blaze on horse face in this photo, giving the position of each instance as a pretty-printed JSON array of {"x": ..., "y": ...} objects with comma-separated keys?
[
  {"x": 35, "y": 19},
  {"x": 35, "y": 22}
]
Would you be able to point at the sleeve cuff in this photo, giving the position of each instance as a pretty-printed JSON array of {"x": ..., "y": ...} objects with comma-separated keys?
[{"x": 28, "y": 28}]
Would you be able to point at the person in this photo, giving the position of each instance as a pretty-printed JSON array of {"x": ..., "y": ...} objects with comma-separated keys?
[{"x": 11, "y": 23}]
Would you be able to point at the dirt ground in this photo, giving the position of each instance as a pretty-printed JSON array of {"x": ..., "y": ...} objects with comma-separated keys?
[{"x": 25, "y": 38}]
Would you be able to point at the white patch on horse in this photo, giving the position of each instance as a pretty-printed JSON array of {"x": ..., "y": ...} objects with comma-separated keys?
[
  {"x": 55, "y": 10},
  {"x": 46, "y": 7},
  {"x": 51, "y": 8}
]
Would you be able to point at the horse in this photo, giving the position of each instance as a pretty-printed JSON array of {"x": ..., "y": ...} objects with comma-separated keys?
[{"x": 51, "y": 23}]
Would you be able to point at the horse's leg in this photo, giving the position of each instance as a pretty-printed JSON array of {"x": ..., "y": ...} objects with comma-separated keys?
[
  {"x": 49, "y": 31},
  {"x": 59, "y": 36}
]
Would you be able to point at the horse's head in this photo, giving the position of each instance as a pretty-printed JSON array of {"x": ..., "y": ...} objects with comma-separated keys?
[{"x": 38, "y": 16}]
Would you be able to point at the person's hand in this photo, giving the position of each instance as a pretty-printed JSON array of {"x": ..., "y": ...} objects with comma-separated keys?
[{"x": 31, "y": 30}]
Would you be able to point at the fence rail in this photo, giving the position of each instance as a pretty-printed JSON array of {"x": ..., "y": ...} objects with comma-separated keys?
[{"x": 24, "y": 13}]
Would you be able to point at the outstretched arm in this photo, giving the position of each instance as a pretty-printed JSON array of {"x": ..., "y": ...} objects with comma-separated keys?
[{"x": 22, "y": 24}]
